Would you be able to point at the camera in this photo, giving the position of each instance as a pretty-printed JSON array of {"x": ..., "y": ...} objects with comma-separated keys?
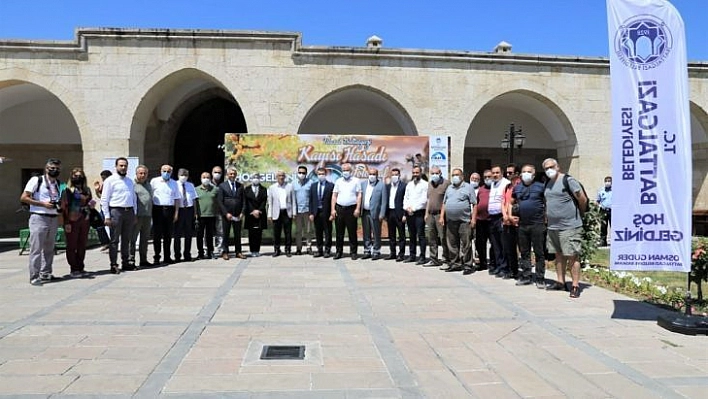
[{"x": 55, "y": 204}]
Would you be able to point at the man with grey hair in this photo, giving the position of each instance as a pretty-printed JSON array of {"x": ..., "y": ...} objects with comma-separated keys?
[
  {"x": 165, "y": 207},
  {"x": 434, "y": 224},
  {"x": 216, "y": 178},
  {"x": 184, "y": 228},
  {"x": 456, "y": 214},
  {"x": 281, "y": 209},
  {"x": 230, "y": 200},
  {"x": 143, "y": 192},
  {"x": 42, "y": 195},
  {"x": 565, "y": 224}
]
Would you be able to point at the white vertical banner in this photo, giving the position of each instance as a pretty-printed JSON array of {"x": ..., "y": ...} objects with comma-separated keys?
[
  {"x": 651, "y": 137},
  {"x": 439, "y": 154}
]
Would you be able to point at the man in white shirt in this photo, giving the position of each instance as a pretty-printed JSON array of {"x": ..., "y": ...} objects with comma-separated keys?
[
  {"x": 184, "y": 228},
  {"x": 496, "y": 200},
  {"x": 119, "y": 204},
  {"x": 42, "y": 195},
  {"x": 346, "y": 199},
  {"x": 395, "y": 216},
  {"x": 415, "y": 201},
  {"x": 165, "y": 210},
  {"x": 281, "y": 209}
]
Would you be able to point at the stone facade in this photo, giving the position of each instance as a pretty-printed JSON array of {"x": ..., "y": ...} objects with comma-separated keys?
[{"x": 117, "y": 92}]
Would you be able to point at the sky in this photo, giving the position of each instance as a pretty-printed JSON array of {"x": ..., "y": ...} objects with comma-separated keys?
[{"x": 549, "y": 27}]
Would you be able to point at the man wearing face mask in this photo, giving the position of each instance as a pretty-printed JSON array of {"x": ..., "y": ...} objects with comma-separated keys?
[
  {"x": 320, "y": 207},
  {"x": 604, "y": 199},
  {"x": 230, "y": 199},
  {"x": 532, "y": 228},
  {"x": 374, "y": 207},
  {"x": 119, "y": 204},
  {"x": 42, "y": 195},
  {"x": 434, "y": 224},
  {"x": 415, "y": 201},
  {"x": 143, "y": 192},
  {"x": 206, "y": 207},
  {"x": 482, "y": 225},
  {"x": 255, "y": 199},
  {"x": 303, "y": 230},
  {"x": 510, "y": 222},
  {"x": 165, "y": 207},
  {"x": 281, "y": 209},
  {"x": 184, "y": 228},
  {"x": 346, "y": 200},
  {"x": 457, "y": 215},
  {"x": 216, "y": 179},
  {"x": 395, "y": 216},
  {"x": 565, "y": 225},
  {"x": 495, "y": 209}
]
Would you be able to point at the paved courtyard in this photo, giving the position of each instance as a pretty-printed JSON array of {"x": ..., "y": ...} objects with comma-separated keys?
[{"x": 371, "y": 330}]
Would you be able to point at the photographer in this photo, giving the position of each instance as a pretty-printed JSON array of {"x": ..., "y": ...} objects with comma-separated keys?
[{"x": 42, "y": 195}]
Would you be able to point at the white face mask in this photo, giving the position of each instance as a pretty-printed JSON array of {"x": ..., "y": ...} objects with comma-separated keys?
[
  {"x": 255, "y": 182},
  {"x": 346, "y": 174},
  {"x": 206, "y": 182},
  {"x": 527, "y": 177},
  {"x": 301, "y": 176},
  {"x": 217, "y": 176},
  {"x": 456, "y": 180},
  {"x": 474, "y": 184},
  {"x": 395, "y": 179},
  {"x": 551, "y": 173},
  {"x": 182, "y": 179},
  {"x": 372, "y": 178},
  {"x": 434, "y": 177},
  {"x": 488, "y": 182},
  {"x": 322, "y": 178},
  {"x": 608, "y": 184}
]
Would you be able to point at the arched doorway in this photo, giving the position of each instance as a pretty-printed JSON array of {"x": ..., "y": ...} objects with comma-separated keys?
[
  {"x": 358, "y": 110},
  {"x": 546, "y": 130}
]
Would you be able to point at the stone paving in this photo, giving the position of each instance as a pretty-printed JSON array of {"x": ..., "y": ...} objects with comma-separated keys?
[{"x": 371, "y": 329}]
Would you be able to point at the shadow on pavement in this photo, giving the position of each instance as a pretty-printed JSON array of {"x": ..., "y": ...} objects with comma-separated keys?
[{"x": 633, "y": 310}]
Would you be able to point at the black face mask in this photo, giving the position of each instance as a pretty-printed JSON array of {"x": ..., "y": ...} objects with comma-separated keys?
[
  {"x": 77, "y": 181},
  {"x": 53, "y": 173}
]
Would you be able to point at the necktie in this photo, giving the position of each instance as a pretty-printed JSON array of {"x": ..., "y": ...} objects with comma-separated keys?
[
  {"x": 255, "y": 191},
  {"x": 184, "y": 197},
  {"x": 321, "y": 192},
  {"x": 233, "y": 187}
]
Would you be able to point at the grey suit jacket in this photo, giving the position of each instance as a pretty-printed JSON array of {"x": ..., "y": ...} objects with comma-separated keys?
[
  {"x": 274, "y": 204},
  {"x": 379, "y": 199}
]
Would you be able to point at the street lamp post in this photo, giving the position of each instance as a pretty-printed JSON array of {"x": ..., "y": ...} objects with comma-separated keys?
[{"x": 513, "y": 138}]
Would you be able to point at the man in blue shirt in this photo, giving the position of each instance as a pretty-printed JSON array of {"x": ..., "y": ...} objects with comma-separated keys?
[
  {"x": 604, "y": 199},
  {"x": 529, "y": 195},
  {"x": 303, "y": 227}
]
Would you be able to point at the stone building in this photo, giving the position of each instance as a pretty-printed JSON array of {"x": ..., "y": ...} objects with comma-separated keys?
[{"x": 167, "y": 96}]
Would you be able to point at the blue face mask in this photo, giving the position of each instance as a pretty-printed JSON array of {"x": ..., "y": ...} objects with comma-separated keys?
[
  {"x": 346, "y": 175},
  {"x": 166, "y": 175}
]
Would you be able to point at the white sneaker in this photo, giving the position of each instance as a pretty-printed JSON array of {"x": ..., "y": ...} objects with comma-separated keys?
[{"x": 36, "y": 282}]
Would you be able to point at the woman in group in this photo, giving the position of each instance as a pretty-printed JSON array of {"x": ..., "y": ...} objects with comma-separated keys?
[{"x": 76, "y": 201}]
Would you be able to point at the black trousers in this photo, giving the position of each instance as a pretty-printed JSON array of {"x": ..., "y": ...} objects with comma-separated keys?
[
  {"x": 255, "y": 237},
  {"x": 416, "y": 233},
  {"x": 232, "y": 225},
  {"x": 532, "y": 236},
  {"x": 323, "y": 232},
  {"x": 510, "y": 238},
  {"x": 396, "y": 234},
  {"x": 184, "y": 228},
  {"x": 162, "y": 227},
  {"x": 605, "y": 221},
  {"x": 345, "y": 220},
  {"x": 205, "y": 233},
  {"x": 495, "y": 237},
  {"x": 283, "y": 223},
  {"x": 482, "y": 237}
]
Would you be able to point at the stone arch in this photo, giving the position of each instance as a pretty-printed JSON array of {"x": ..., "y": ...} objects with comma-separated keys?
[
  {"x": 167, "y": 105},
  {"x": 699, "y": 152},
  {"x": 548, "y": 130},
  {"x": 36, "y": 124},
  {"x": 358, "y": 109}
]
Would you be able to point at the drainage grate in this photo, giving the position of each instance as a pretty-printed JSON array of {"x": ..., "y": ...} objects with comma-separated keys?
[{"x": 271, "y": 352}]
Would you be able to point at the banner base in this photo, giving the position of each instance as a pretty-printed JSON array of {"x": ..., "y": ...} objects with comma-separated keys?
[{"x": 684, "y": 324}]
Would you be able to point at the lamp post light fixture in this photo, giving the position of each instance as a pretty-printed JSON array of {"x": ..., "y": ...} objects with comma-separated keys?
[{"x": 513, "y": 138}]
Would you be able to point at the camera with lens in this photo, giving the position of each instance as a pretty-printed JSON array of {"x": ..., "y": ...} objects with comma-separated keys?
[{"x": 55, "y": 204}]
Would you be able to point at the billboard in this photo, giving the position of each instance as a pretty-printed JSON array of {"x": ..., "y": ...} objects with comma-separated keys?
[{"x": 268, "y": 153}]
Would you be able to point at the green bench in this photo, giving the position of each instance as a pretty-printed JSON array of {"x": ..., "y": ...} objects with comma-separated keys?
[{"x": 60, "y": 239}]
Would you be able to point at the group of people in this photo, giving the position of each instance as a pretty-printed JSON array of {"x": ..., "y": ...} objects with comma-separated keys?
[{"x": 513, "y": 212}]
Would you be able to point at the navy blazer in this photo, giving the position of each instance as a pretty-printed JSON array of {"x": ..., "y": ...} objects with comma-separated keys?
[
  {"x": 230, "y": 201},
  {"x": 251, "y": 203},
  {"x": 326, "y": 198},
  {"x": 379, "y": 198},
  {"x": 398, "y": 210}
]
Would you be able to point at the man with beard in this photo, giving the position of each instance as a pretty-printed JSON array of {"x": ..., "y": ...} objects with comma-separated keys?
[
  {"x": 230, "y": 200},
  {"x": 165, "y": 208},
  {"x": 414, "y": 202},
  {"x": 255, "y": 199},
  {"x": 510, "y": 222},
  {"x": 119, "y": 204},
  {"x": 42, "y": 195},
  {"x": 143, "y": 193}
]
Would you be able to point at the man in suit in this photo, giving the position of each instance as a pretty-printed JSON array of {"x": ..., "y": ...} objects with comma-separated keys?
[
  {"x": 255, "y": 198},
  {"x": 320, "y": 200},
  {"x": 281, "y": 209},
  {"x": 374, "y": 203},
  {"x": 395, "y": 216},
  {"x": 230, "y": 200}
]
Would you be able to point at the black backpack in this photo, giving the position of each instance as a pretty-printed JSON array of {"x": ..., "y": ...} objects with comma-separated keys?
[
  {"x": 42, "y": 180},
  {"x": 566, "y": 188}
]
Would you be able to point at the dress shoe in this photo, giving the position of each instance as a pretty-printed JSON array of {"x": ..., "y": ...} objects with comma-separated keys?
[
  {"x": 225, "y": 256},
  {"x": 209, "y": 256},
  {"x": 145, "y": 264},
  {"x": 298, "y": 252},
  {"x": 354, "y": 256},
  {"x": 432, "y": 263},
  {"x": 524, "y": 281},
  {"x": 410, "y": 259},
  {"x": 240, "y": 255},
  {"x": 338, "y": 255},
  {"x": 400, "y": 259},
  {"x": 480, "y": 267},
  {"x": 366, "y": 256},
  {"x": 114, "y": 269},
  {"x": 376, "y": 257},
  {"x": 391, "y": 257},
  {"x": 277, "y": 253},
  {"x": 188, "y": 259},
  {"x": 169, "y": 261},
  {"x": 454, "y": 268},
  {"x": 421, "y": 261},
  {"x": 128, "y": 267},
  {"x": 288, "y": 254},
  {"x": 468, "y": 270},
  {"x": 318, "y": 255},
  {"x": 327, "y": 254}
]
